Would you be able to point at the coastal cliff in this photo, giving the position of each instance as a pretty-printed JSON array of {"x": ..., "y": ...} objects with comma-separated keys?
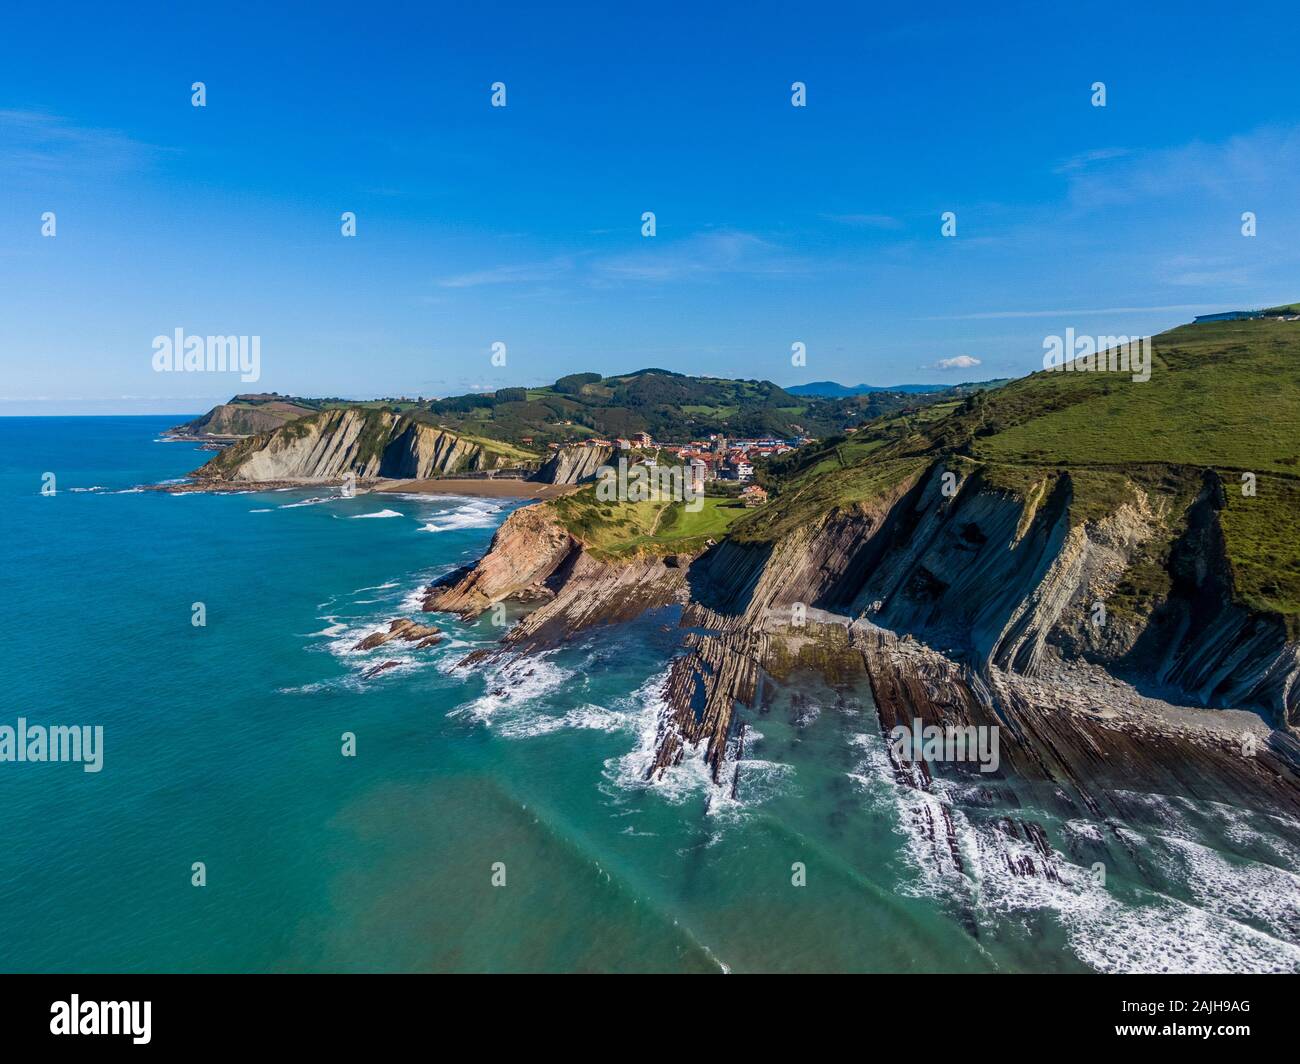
[
  {"x": 574, "y": 464},
  {"x": 366, "y": 442},
  {"x": 1069, "y": 545},
  {"x": 244, "y": 415},
  {"x": 1003, "y": 583}
]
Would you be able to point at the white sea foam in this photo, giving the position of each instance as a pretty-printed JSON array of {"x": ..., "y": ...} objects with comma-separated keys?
[
  {"x": 377, "y": 513},
  {"x": 316, "y": 501},
  {"x": 335, "y": 627},
  {"x": 515, "y": 689},
  {"x": 1086, "y": 829},
  {"x": 476, "y": 513},
  {"x": 647, "y": 712},
  {"x": 1106, "y": 932},
  {"x": 1172, "y": 937},
  {"x": 413, "y": 600},
  {"x": 1246, "y": 892}
]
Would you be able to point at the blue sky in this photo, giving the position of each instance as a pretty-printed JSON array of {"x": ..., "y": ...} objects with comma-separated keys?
[{"x": 521, "y": 224}]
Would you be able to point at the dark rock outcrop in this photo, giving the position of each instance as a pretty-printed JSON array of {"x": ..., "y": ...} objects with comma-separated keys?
[{"x": 424, "y": 635}]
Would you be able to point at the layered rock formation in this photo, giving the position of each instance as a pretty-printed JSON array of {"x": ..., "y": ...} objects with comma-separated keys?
[
  {"x": 241, "y": 417},
  {"x": 365, "y": 442},
  {"x": 1005, "y": 584},
  {"x": 406, "y": 630},
  {"x": 574, "y": 465},
  {"x": 525, "y": 552}
]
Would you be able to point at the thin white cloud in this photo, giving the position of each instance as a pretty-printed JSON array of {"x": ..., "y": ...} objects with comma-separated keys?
[
  {"x": 1090, "y": 158},
  {"x": 959, "y": 362},
  {"x": 866, "y": 221},
  {"x": 1244, "y": 167},
  {"x": 698, "y": 257},
  {"x": 657, "y": 260},
  {"x": 521, "y": 273},
  {"x": 39, "y": 146},
  {"x": 993, "y": 315}
]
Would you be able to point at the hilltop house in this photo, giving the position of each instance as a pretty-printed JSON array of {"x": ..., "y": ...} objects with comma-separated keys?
[
  {"x": 1228, "y": 315},
  {"x": 753, "y": 495}
]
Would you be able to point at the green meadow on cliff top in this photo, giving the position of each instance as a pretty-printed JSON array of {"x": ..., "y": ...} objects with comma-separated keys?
[
  {"x": 624, "y": 530},
  {"x": 1222, "y": 396}
]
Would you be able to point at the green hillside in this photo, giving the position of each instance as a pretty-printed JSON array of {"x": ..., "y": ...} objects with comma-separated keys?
[
  {"x": 1222, "y": 396},
  {"x": 670, "y": 406},
  {"x": 620, "y": 530}
]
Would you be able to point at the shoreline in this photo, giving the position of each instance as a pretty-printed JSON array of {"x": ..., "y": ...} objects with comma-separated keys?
[{"x": 495, "y": 489}]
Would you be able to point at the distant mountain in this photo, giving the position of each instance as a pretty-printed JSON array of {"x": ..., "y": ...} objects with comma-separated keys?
[{"x": 831, "y": 389}]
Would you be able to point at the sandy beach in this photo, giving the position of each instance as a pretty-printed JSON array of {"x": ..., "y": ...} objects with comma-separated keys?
[{"x": 499, "y": 489}]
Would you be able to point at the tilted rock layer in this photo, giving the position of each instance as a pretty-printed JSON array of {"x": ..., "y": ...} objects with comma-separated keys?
[
  {"x": 367, "y": 443},
  {"x": 1003, "y": 583}
]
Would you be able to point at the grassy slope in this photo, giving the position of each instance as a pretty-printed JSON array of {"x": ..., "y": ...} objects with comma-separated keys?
[
  {"x": 623, "y": 530},
  {"x": 1222, "y": 396},
  {"x": 1225, "y": 395}
]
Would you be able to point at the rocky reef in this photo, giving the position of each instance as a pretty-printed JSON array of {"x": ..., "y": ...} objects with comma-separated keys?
[{"x": 408, "y": 631}]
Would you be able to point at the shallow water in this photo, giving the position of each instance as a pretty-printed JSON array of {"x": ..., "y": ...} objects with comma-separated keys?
[{"x": 223, "y": 745}]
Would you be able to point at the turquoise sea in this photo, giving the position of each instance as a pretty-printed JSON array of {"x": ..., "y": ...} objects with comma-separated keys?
[{"x": 222, "y": 744}]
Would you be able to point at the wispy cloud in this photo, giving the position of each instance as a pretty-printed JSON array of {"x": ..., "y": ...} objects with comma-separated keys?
[
  {"x": 866, "y": 221},
  {"x": 41, "y": 146},
  {"x": 700, "y": 257},
  {"x": 1261, "y": 162},
  {"x": 993, "y": 315},
  {"x": 656, "y": 261},
  {"x": 1090, "y": 158},
  {"x": 520, "y": 273}
]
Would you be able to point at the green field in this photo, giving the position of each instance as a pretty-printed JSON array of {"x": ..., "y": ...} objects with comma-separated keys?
[{"x": 622, "y": 530}]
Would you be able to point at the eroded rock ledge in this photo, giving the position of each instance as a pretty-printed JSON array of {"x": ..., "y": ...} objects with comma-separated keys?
[{"x": 989, "y": 596}]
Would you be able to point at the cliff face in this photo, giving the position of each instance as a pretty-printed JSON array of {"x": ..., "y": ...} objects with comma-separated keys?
[
  {"x": 525, "y": 552},
  {"x": 1004, "y": 583},
  {"x": 365, "y": 442},
  {"x": 574, "y": 465},
  {"x": 242, "y": 419}
]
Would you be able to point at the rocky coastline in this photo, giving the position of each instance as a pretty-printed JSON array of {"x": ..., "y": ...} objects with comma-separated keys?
[{"x": 965, "y": 610}]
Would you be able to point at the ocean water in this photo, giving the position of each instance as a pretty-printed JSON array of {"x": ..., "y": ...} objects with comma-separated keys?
[{"x": 222, "y": 744}]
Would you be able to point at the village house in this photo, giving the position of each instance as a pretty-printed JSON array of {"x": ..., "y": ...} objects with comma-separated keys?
[
  {"x": 699, "y": 474},
  {"x": 741, "y": 467},
  {"x": 753, "y": 495}
]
